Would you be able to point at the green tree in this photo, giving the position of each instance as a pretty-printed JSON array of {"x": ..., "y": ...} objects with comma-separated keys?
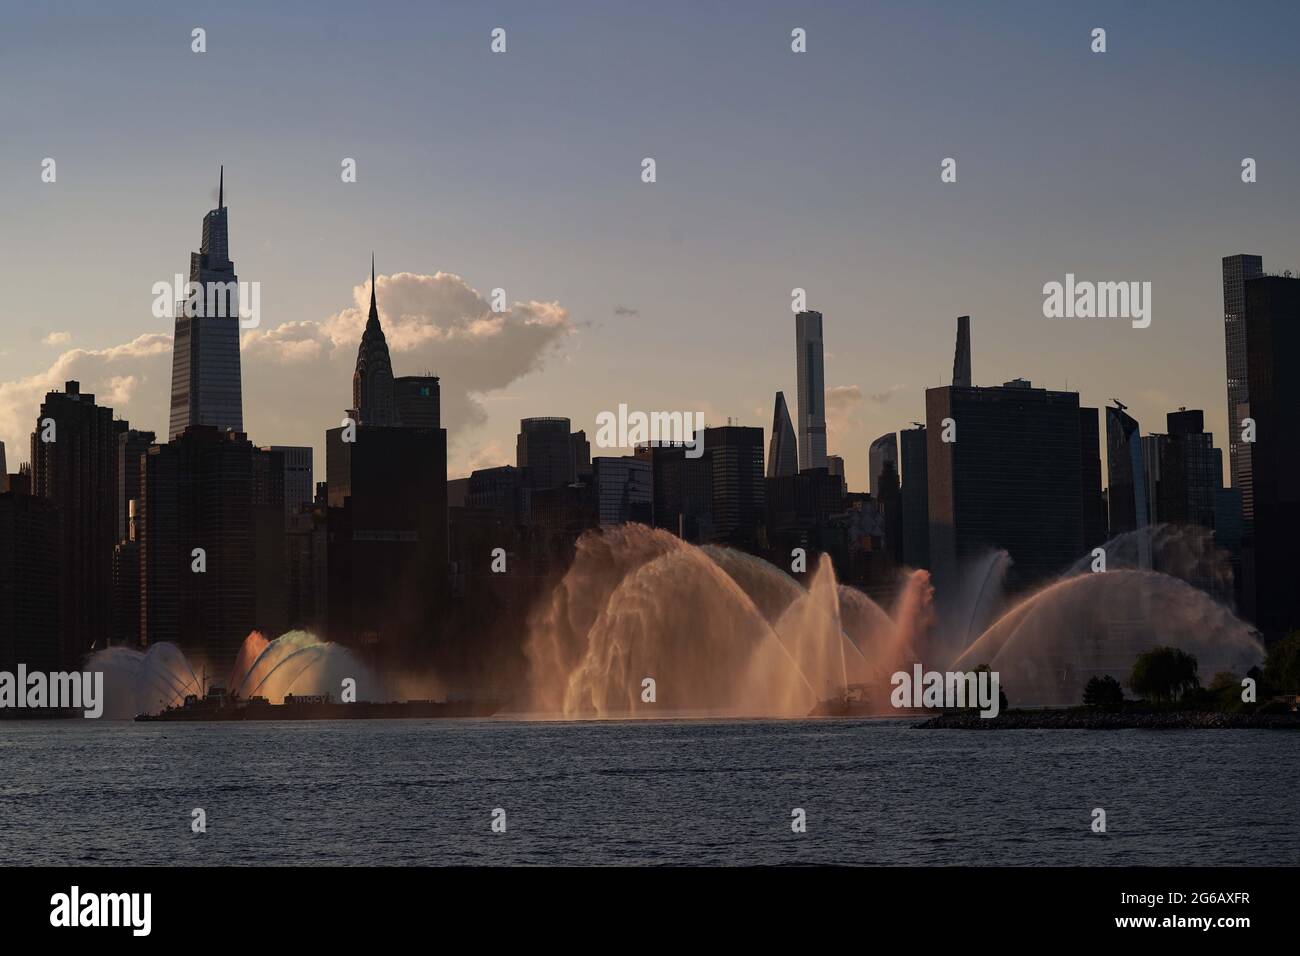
[
  {"x": 1282, "y": 666},
  {"x": 1164, "y": 674},
  {"x": 1104, "y": 691}
]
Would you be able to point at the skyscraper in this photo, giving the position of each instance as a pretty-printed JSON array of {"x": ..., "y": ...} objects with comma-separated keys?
[
  {"x": 31, "y": 577},
  {"x": 916, "y": 498},
  {"x": 1237, "y": 270},
  {"x": 1187, "y": 462},
  {"x": 198, "y": 566},
  {"x": 1126, "y": 472},
  {"x": 681, "y": 489},
  {"x": 961, "y": 357},
  {"x": 1010, "y": 479},
  {"x": 1094, "y": 508},
  {"x": 546, "y": 448},
  {"x": 883, "y": 449},
  {"x": 417, "y": 401},
  {"x": 74, "y": 464},
  {"x": 835, "y": 465},
  {"x": 782, "y": 452},
  {"x": 387, "y": 509},
  {"x": 206, "y": 386},
  {"x": 812, "y": 389},
  {"x": 1272, "y": 307},
  {"x": 739, "y": 500},
  {"x": 372, "y": 380},
  {"x": 622, "y": 489},
  {"x": 299, "y": 489},
  {"x": 131, "y": 444}
]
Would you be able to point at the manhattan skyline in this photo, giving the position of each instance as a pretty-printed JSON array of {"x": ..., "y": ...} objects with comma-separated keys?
[{"x": 650, "y": 293}]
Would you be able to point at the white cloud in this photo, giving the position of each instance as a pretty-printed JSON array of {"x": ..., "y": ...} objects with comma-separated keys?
[
  {"x": 57, "y": 338},
  {"x": 297, "y": 377}
]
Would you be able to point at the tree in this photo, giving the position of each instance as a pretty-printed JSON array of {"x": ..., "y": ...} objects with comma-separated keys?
[
  {"x": 1104, "y": 691},
  {"x": 1002, "y": 694},
  {"x": 1164, "y": 674},
  {"x": 1282, "y": 666}
]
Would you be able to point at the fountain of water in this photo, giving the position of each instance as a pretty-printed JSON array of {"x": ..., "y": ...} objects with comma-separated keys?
[
  {"x": 726, "y": 632},
  {"x": 295, "y": 663},
  {"x": 143, "y": 682}
]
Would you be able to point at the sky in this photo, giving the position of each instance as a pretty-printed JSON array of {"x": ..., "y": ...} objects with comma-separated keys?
[{"x": 522, "y": 171}]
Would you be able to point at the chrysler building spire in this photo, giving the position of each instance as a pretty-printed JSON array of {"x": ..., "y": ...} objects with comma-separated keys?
[{"x": 372, "y": 382}]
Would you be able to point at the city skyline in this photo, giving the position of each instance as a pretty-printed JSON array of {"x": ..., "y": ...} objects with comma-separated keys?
[
  {"x": 212, "y": 264},
  {"x": 888, "y": 253}
]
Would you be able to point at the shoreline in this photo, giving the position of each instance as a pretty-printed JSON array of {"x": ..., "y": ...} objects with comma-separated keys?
[{"x": 1108, "y": 720}]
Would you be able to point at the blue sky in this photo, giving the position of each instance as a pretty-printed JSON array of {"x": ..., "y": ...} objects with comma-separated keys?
[{"x": 775, "y": 170}]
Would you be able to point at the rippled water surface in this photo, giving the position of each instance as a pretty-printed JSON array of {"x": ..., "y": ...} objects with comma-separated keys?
[{"x": 628, "y": 792}]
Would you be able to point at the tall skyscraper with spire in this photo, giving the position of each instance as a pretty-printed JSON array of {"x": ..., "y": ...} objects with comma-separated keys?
[
  {"x": 812, "y": 390},
  {"x": 961, "y": 356},
  {"x": 1237, "y": 271},
  {"x": 206, "y": 383},
  {"x": 372, "y": 382},
  {"x": 782, "y": 453}
]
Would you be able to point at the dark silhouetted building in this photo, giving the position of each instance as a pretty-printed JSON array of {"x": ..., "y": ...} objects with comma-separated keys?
[
  {"x": 1273, "y": 353},
  {"x": 1010, "y": 480},
  {"x": 739, "y": 507},
  {"x": 31, "y": 552},
  {"x": 961, "y": 370},
  {"x": 417, "y": 401},
  {"x": 1237, "y": 271},
  {"x": 387, "y": 547},
  {"x": 270, "y": 554},
  {"x": 546, "y": 448},
  {"x": 307, "y": 568},
  {"x": 1126, "y": 473},
  {"x": 916, "y": 498},
  {"x": 1092, "y": 504},
  {"x": 883, "y": 449},
  {"x": 196, "y": 493},
  {"x": 682, "y": 490},
  {"x": 502, "y": 491},
  {"x": 74, "y": 464},
  {"x": 126, "y": 582},
  {"x": 386, "y": 516},
  {"x": 299, "y": 485},
  {"x": 581, "y": 455},
  {"x": 783, "y": 451},
  {"x": 131, "y": 444},
  {"x": 1191, "y": 471},
  {"x": 622, "y": 490}
]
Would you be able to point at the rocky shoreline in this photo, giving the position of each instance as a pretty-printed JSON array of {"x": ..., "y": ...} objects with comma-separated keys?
[{"x": 1111, "y": 720}]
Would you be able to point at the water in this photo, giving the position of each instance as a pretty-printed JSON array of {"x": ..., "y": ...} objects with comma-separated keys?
[{"x": 84, "y": 792}]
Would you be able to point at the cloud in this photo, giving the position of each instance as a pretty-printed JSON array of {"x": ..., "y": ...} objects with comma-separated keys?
[
  {"x": 297, "y": 377},
  {"x": 118, "y": 376},
  {"x": 57, "y": 338},
  {"x": 842, "y": 399},
  {"x": 842, "y": 402},
  {"x": 880, "y": 398}
]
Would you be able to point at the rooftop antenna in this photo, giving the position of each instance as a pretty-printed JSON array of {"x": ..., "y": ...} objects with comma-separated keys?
[
  {"x": 221, "y": 188},
  {"x": 1120, "y": 405}
]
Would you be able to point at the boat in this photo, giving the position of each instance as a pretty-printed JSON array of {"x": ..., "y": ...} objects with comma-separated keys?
[
  {"x": 852, "y": 701},
  {"x": 217, "y": 705}
]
